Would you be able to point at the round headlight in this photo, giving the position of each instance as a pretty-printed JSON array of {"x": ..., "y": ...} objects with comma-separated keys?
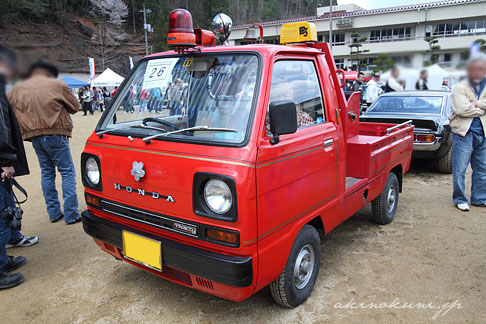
[
  {"x": 218, "y": 196},
  {"x": 92, "y": 171}
]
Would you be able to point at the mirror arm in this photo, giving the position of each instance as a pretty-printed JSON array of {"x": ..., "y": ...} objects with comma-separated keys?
[{"x": 275, "y": 139}]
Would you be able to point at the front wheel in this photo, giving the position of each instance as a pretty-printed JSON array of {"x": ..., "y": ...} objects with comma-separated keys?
[
  {"x": 295, "y": 283},
  {"x": 385, "y": 205}
]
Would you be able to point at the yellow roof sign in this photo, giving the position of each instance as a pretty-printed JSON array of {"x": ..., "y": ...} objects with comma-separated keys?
[{"x": 302, "y": 31}]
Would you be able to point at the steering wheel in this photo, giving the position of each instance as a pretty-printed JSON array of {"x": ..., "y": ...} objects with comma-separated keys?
[{"x": 162, "y": 122}]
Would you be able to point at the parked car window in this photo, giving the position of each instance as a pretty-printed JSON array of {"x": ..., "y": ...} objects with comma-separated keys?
[
  {"x": 408, "y": 104},
  {"x": 297, "y": 81}
]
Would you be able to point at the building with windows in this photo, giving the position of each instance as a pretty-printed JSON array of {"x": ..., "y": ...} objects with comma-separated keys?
[{"x": 399, "y": 32}]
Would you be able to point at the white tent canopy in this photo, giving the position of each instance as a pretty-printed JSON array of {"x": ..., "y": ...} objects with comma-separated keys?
[
  {"x": 410, "y": 76},
  {"x": 107, "y": 79}
]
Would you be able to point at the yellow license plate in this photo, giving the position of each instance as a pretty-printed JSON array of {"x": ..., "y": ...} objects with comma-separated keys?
[{"x": 142, "y": 250}]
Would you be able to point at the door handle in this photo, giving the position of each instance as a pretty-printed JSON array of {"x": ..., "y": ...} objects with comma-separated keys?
[{"x": 328, "y": 142}]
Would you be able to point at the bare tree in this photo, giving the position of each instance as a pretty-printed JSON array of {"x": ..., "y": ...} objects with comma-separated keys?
[{"x": 114, "y": 10}]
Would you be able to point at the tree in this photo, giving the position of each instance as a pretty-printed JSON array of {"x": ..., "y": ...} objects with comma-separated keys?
[
  {"x": 113, "y": 11},
  {"x": 482, "y": 44},
  {"x": 383, "y": 63},
  {"x": 108, "y": 11},
  {"x": 271, "y": 10},
  {"x": 433, "y": 47},
  {"x": 356, "y": 51}
]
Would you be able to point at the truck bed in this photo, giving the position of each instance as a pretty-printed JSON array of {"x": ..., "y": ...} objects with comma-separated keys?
[{"x": 375, "y": 148}]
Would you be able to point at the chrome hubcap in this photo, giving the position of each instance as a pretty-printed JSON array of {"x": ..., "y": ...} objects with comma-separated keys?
[
  {"x": 391, "y": 199},
  {"x": 304, "y": 266}
]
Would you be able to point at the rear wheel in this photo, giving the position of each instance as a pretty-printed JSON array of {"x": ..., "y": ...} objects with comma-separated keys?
[
  {"x": 444, "y": 163},
  {"x": 295, "y": 283},
  {"x": 385, "y": 205}
]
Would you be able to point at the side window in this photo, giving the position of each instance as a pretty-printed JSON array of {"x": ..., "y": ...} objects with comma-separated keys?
[{"x": 297, "y": 81}]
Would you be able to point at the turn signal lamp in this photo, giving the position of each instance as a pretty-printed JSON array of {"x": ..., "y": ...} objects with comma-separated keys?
[
  {"x": 92, "y": 200},
  {"x": 299, "y": 32},
  {"x": 181, "y": 33},
  {"x": 222, "y": 236}
]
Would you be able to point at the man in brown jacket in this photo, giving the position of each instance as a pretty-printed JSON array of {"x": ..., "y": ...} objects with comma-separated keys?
[{"x": 43, "y": 105}]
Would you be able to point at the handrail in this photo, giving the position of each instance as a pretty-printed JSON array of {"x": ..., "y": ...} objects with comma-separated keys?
[{"x": 388, "y": 130}]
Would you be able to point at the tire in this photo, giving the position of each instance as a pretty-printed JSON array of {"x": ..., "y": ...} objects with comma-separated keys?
[
  {"x": 444, "y": 163},
  {"x": 288, "y": 289},
  {"x": 385, "y": 205}
]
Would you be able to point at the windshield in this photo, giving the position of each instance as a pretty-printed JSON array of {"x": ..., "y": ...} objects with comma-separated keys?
[
  {"x": 407, "y": 105},
  {"x": 210, "y": 94}
]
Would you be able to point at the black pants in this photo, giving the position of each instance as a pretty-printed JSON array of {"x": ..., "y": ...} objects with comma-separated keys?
[{"x": 87, "y": 106}]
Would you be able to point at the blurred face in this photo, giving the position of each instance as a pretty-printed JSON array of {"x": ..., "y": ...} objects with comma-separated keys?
[
  {"x": 6, "y": 70},
  {"x": 476, "y": 71},
  {"x": 396, "y": 74},
  {"x": 425, "y": 75},
  {"x": 360, "y": 78}
]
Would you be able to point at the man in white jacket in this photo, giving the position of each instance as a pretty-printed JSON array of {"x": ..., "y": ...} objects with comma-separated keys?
[
  {"x": 373, "y": 91},
  {"x": 392, "y": 84},
  {"x": 468, "y": 123}
]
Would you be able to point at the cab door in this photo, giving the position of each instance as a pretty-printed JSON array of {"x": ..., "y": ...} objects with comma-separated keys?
[{"x": 299, "y": 173}]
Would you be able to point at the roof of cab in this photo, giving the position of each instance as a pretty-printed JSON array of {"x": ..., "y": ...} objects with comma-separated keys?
[{"x": 261, "y": 48}]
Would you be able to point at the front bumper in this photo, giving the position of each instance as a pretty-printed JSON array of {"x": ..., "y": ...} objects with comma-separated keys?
[{"x": 225, "y": 269}]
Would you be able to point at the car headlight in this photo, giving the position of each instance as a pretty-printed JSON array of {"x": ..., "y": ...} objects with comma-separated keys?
[
  {"x": 92, "y": 171},
  {"x": 218, "y": 196}
]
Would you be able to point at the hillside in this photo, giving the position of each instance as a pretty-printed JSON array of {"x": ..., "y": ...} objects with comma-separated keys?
[
  {"x": 67, "y": 32},
  {"x": 70, "y": 43}
]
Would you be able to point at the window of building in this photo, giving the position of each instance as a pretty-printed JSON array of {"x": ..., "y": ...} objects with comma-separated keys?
[
  {"x": 403, "y": 60},
  {"x": 460, "y": 28},
  {"x": 367, "y": 64},
  {"x": 445, "y": 57},
  {"x": 297, "y": 81},
  {"x": 274, "y": 41},
  {"x": 390, "y": 34},
  {"x": 339, "y": 63},
  {"x": 337, "y": 39}
]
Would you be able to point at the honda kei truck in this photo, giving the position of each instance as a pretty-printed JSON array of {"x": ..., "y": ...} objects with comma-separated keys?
[{"x": 221, "y": 167}]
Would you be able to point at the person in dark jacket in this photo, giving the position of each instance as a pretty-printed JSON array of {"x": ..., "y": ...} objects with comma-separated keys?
[
  {"x": 421, "y": 83},
  {"x": 358, "y": 84},
  {"x": 13, "y": 161}
]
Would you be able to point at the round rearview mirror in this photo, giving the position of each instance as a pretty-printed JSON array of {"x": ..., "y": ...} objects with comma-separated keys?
[{"x": 221, "y": 26}]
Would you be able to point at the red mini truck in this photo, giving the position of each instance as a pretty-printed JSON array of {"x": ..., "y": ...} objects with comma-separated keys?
[{"x": 240, "y": 158}]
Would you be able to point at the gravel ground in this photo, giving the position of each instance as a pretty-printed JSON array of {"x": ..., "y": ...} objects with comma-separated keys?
[{"x": 428, "y": 266}]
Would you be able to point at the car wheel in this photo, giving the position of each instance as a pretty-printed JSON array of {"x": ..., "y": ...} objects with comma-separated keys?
[
  {"x": 295, "y": 283},
  {"x": 444, "y": 163},
  {"x": 385, "y": 205}
]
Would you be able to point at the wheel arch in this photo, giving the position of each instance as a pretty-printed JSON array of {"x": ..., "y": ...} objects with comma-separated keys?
[
  {"x": 398, "y": 170},
  {"x": 318, "y": 224}
]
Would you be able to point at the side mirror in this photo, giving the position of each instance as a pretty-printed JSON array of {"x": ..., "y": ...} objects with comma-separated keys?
[{"x": 283, "y": 119}]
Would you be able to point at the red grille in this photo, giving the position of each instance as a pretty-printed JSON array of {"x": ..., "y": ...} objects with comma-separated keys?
[{"x": 204, "y": 283}]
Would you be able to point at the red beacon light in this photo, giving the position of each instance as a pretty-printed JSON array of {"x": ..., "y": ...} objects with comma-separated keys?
[
  {"x": 181, "y": 33},
  {"x": 182, "y": 36}
]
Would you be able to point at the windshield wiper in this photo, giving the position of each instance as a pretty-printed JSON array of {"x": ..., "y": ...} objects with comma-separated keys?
[
  {"x": 100, "y": 133},
  {"x": 194, "y": 129}
]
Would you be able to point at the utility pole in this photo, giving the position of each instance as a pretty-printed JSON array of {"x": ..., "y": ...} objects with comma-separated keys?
[
  {"x": 102, "y": 47},
  {"x": 133, "y": 18},
  {"x": 330, "y": 22},
  {"x": 145, "y": 29}
]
